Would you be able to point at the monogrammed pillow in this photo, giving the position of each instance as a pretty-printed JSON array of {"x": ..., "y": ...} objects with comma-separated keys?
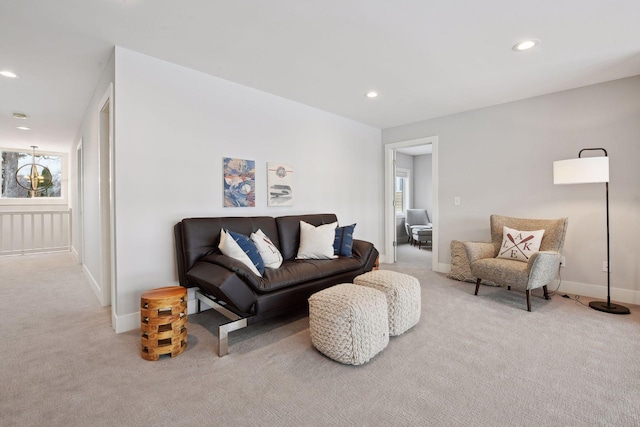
[{"x": 519, "y": 245}]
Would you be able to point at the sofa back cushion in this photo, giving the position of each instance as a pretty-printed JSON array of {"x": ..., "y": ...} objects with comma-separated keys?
[
  {"x": 201, "y": 236},
  {"x": 289, "y": 231}
]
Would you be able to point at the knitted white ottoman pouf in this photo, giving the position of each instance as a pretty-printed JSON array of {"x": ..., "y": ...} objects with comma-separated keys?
[
  {"x": 403, "y": 297},
  {"x": 348, "y": 323}
]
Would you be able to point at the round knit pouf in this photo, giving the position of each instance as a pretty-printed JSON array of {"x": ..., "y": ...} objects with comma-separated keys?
[
  {"x": 403, "y": 297},
  {"x": 348, "y": 323}
]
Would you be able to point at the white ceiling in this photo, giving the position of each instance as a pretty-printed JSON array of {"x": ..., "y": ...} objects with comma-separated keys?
[
  {"x": 426, "y": 58},
  {"x": 416, "y": 150}
]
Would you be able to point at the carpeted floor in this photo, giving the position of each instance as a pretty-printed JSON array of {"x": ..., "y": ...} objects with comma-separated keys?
[
  {"x": 471, "y": 361},
  {"x": 408, "y": 255}
]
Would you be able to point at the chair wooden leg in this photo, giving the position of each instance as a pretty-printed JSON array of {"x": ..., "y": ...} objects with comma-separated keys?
[
  {"x": 546, "y": 292},
  {"x": 477, "y": 285},
  {"x": 528, "y": 292}
]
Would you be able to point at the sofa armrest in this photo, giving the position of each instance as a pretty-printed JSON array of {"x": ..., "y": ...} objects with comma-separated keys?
[
  {"x": 223, "y": 284},
  {"x": 543, "y": 267},
  {"x": 479, "y": 250},
  {"x": 365, "y": 251}
]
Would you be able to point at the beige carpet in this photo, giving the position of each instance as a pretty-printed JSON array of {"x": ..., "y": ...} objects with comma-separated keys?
[
  {"x": 409, "y": 254},
  {"x": 471, "y": 361}
]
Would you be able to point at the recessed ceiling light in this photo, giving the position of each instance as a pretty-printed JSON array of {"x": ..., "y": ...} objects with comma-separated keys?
[
  {"x": 20, "y": 116},
  {"x": 525, "y": 45},
  {"x": 9, "y": 74},
  {"x": 371, "y": 94},
  {"x": 23, "y": 128}
]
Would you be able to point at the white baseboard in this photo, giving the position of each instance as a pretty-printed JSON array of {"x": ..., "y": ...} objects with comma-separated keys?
[
  {"x": 93, "y": 283},
  {"x": 443, "y": 268},
  {"x": 125, "y": 323},
  {"x": 600, "y": 292},
  {"x": 576, "y": 288}
]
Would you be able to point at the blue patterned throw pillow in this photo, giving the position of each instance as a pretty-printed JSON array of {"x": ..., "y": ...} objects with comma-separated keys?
[
  {"x": 250, "y": 249},
  {"x": 343, "y": 243}
]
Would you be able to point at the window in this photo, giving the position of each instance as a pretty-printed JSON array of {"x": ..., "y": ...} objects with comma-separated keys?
[
  {"x": 17, "y": 164},
  {"x": 402, "y": 191}
]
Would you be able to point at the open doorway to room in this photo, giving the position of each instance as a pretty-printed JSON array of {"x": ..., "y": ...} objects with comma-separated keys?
[
  {"x": 411, "y": 183},
  {"x": 414, "y": 205}
]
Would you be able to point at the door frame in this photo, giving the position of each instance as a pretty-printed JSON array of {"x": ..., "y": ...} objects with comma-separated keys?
[
  {"x": 389, "y": 208},
  {"x": 79, "y": 216}
]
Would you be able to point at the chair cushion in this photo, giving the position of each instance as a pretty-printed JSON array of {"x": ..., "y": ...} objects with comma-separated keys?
[{"x": 502, "y": 271}]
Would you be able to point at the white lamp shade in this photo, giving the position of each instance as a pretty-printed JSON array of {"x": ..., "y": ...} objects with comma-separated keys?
[{"x": 583, "y": 170}]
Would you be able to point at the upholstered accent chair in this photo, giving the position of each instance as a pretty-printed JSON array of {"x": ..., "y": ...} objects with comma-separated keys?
[
  {"x": 416, "y": 220},
  {"x": 539, "y": 270}
]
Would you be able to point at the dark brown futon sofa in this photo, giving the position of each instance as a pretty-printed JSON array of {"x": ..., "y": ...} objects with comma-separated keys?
[{"x": 230, "y": 287}]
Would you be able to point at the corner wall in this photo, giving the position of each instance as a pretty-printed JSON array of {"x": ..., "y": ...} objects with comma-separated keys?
[
  {"x": 499, "y": 160},
  {"x": 89, "y": 133},
  {"x": 174, "y": 125}
]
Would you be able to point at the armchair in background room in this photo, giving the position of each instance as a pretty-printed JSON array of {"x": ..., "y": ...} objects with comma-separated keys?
[
  {"x": 418, "y": 226},
  {"x": 507, "y": 262}
]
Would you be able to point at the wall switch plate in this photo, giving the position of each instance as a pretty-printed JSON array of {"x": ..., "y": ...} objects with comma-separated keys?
[
  {"x": 605, "y": 266},
  {"x": 563, "y": 262},
  {"x": 456, "y": 201}
]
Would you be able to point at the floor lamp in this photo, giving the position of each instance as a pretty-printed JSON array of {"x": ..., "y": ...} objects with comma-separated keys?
[{"x": 586, "y": 170}]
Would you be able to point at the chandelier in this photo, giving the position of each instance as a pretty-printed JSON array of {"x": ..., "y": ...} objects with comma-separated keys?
[{"x": 33, "y": 177}]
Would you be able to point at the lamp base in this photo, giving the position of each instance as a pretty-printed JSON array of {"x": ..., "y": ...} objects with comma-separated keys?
[{"x": 609, "y": 308}]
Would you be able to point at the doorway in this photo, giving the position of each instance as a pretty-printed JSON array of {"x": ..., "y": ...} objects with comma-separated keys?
[
  {"x": 392, "y": 235},
  {"x": 413, "y": 192},
  {"x": 79, "y": 228}
]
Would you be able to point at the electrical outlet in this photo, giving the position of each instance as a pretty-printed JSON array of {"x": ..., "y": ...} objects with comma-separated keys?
[
  {"x": 456, "y": 201},
  {"x": 563, "y": 262},
  {"x": 605, "y": 266}
]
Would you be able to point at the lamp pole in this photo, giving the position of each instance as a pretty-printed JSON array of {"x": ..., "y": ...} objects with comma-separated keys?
[{"x": 601, "y": 305}]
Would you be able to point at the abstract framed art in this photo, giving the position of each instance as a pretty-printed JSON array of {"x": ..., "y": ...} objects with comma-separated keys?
[{"x": 239, "y": 182}]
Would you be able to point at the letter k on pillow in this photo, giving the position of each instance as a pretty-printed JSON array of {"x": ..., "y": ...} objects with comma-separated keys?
[{"x": 519, "y": 245}]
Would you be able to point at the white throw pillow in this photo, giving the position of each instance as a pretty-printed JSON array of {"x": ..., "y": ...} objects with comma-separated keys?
[
  {"x": 317, "y": 242},
  {"x": 230, "y": 247},
  {"x": 268, "y": 251},
  {"x": 519, "y": 245}
]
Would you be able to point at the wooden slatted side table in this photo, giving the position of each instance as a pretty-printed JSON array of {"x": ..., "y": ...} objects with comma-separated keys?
[{"x": 163, "y": 322}]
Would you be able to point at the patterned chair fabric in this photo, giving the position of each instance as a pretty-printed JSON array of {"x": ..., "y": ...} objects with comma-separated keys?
[{"x": 540, "y": 269}]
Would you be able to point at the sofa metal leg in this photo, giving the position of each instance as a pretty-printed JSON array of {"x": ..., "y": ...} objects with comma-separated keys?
[
  {"x": 546, "y": 292},
  {"x": 223, "y": 334},
  {"x": 508, "y": 288},
  {"x": 237, "y": 321},
  {"x": 477, "y": 285},
  {"x": 528, "y": 292}
]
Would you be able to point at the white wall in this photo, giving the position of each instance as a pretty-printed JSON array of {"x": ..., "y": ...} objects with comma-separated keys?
[
  {"x": 404, "y": 161},
  {"x": 89, "y": 134},
  {"x": 174, "y": 125},
  {"x": 422, "y": 183},
  {"x": 499, "y": 160}
]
